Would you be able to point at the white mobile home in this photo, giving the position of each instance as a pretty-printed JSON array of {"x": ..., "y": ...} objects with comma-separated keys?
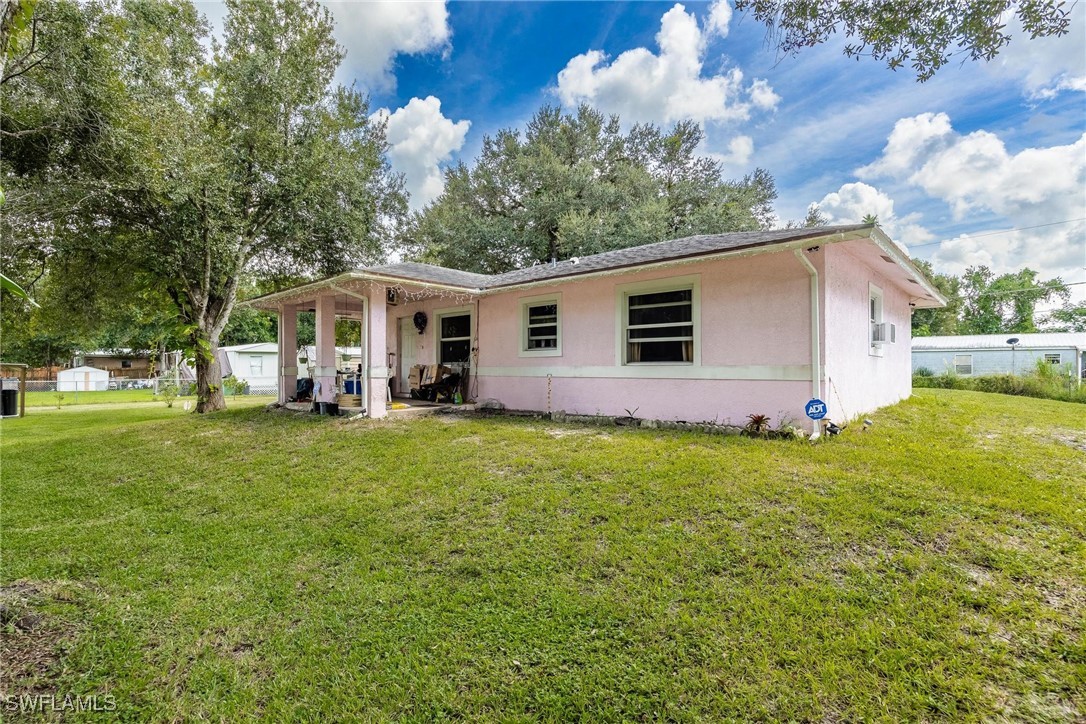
[{"x": 990, "y": 354}]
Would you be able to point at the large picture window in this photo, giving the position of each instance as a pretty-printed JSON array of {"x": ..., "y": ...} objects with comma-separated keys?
[
  {"x": 659, "y": 326},
  {"x": 455, "y": 339}
]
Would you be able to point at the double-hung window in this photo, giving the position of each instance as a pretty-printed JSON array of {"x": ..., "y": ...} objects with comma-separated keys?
[
  {"x": 540, "y": 327},
  {"x": 256, "y": 365},
  {"x": 659, "y": 326},
  {"x": 876, "y": 333},
  {"x": 454, "y": 338},
  {"x": 1053, "y": 358},
  {"x": 963, "y": 364}
]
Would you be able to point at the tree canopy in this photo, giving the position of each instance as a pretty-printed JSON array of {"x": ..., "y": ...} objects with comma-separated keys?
[
  {"x": 924, "y": 34},
  {"x": 942, "y": 321},
  {"x": 573, "y": 183},
  {"x": 994, "y": 304},
  {"x": 983, "y": 302},
  {"x": 141, "y": 159}
]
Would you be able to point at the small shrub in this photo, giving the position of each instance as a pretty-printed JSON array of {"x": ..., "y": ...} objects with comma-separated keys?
[
  {"x": 758, "y": 425},
  {"x": 59, "y": 396},
  {"x": 923, "y": 372},
  {"x": 168, "y": 393}
]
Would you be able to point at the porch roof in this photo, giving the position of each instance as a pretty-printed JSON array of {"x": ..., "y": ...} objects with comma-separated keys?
[{"x": 691, "y": 248}]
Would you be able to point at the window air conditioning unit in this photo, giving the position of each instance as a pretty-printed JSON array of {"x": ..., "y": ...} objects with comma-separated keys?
[
  {"x": 392, "y": 297},
  {"x": 883, "y": 333}
]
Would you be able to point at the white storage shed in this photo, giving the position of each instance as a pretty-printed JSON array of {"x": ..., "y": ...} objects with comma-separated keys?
[{"x": 82, "y": 379}]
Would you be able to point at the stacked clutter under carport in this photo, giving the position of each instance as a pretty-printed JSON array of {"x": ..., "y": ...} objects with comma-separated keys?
[{"x": 435, "y": 383}]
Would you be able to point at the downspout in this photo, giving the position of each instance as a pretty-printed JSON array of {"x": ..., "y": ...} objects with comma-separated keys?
[{"x": 816, "y": 342}]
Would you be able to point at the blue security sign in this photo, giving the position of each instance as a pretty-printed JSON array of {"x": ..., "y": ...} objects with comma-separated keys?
[{"x": 816, "y": 409}]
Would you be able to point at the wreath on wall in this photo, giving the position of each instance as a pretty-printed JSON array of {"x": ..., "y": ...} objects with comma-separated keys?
[{"x": 420, "y": 321}]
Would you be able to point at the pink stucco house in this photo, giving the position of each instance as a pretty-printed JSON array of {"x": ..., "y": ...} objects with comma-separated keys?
[{"x": 705, "y": 328}]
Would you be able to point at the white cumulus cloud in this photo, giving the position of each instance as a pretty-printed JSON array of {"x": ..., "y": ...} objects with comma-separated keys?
[
  {"x": 1046, "y": 66},
  {"x": 375, "y": 32},
  {"x": 738, "y": 155},
  {"x": 420, "y": 139},
  {"x": 1037, "y": 193},
  {"x": 720, "y": 17},
  {"x": 668, "y": 86},
  {"x": 976, "y": 171},
  {"x": 853, "y": 201}
]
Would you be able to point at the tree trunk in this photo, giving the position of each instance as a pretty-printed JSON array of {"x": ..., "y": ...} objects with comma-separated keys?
[{"x": 209, "y": 395}]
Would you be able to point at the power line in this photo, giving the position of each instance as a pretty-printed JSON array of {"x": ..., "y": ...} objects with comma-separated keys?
[
  {"x": 1000, "y": 292},
  {"x": 997, "y": 233}
]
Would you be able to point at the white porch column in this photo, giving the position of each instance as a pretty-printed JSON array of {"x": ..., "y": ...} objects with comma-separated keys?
[
  {"x": 325, "y": 372},
  {"x": 377, "y": 347},
  {"x": 288, "y": 352}
]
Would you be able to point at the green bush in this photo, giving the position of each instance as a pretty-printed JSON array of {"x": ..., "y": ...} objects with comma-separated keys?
[
  {"x": 1047, "y": 381},
  {"x": 923, "y": 372}
]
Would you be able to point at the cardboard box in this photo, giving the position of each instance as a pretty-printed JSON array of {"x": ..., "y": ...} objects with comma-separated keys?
[{"x": 414, "y": 378}]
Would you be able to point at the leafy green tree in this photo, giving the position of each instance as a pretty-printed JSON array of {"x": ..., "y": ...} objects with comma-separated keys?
[
  {"x": 198, "y": 168},
  {"x": 815, "y": 217},
  {"x": 925, "y": 34},
  {"x": 249, "y": 326},
  {"x": 574, "y": 184},
  {"x": 1068, "y": 318},
  {"x": 934, "y": 322},
  {"x": 1006, "y": 303}
]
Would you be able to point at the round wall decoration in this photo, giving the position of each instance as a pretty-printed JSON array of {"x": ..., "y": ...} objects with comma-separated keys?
[{"x": 420, "y": 321}]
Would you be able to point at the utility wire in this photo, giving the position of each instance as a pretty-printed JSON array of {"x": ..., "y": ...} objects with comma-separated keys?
[
  {"x": 997, "y": 233},
  {"x": 1000, "y": 292}
]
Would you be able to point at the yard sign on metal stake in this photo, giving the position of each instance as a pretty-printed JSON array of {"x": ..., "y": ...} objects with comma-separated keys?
[{"x": 816, "y": 409}]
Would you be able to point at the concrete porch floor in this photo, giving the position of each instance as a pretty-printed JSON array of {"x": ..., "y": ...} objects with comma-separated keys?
[{"x": 400, "y": 406}]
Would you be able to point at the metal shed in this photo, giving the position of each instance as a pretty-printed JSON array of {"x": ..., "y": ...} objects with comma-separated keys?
[{"x": 82, "y": 379}]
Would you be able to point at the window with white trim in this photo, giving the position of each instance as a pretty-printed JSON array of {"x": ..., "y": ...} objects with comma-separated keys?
[
  {"x": 874, "y": 306},
  {"x": 540, "y": 326},
  {"x": 1054, "y": 358},
  {"x": 659, "y": 326},
  {"x": 963, "y": 364},
  {"x": 256, "y": 365},
  {"x": 454, "y": 342}
]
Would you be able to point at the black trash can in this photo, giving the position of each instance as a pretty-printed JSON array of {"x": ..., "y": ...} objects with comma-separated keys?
[{"x": 9, "y": 403}]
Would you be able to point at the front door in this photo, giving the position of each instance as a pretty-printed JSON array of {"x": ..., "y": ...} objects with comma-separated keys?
[{"x": 407, "y": 357}]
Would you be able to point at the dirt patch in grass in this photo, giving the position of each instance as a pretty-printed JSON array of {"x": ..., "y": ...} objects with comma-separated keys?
[
  {"x": 560, "y": 432},
  {"x": 32, "y": 637},
  {"x": 1071, "y": 438}
]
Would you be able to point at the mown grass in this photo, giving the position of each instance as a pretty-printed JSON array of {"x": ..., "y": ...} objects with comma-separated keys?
[
  {"x": 93, "y": 397},
  {"x": 109, "y": 397},
  {"x": 281, "y": 567}
]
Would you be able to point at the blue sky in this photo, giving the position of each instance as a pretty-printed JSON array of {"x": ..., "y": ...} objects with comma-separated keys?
[{"x": 952, "y": 166}]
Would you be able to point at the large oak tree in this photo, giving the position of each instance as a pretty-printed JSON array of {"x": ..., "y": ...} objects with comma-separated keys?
[
  {"x": 573, "y": 183},
  {"x": 924, "y": 34},
  {"x": 145, "y": 155}
]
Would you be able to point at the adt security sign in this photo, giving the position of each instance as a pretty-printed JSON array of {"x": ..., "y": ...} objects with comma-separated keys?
[{"x": 816, "y": 409}]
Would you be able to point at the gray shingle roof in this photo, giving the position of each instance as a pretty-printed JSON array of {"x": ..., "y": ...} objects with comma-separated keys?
[
  {"x": 688, "y": 247},
  {"x": 413, "y": 271}
]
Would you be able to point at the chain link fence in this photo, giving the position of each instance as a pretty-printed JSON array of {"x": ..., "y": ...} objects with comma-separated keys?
[{"x": 184, "y": 389}]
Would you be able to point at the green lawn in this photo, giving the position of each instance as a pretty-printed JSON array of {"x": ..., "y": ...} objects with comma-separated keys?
[
  {"x": 294, "y": 567},
  {"x": 104, "y": 397}
]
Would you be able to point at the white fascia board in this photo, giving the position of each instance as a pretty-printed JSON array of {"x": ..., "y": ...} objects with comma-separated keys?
[{"x": 902, "y": 260}]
